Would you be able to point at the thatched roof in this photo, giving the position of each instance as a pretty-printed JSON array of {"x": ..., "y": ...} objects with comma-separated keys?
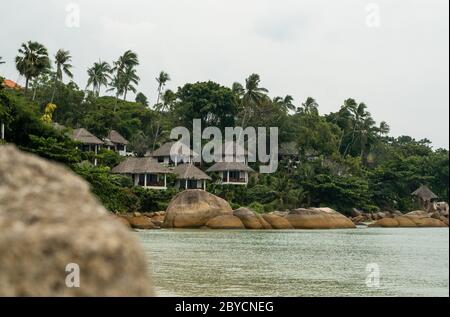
[
  {"x": 140, "y": 165},
  {"x": 189, "y": 171},
  {"x": 108, "y": 142},
  {"x": 425, "y": 193},
  {"x": 230, "y": 166},
  {"x": 84, "y": 136},
  {"x": 165, "y": 150},
  {"x": 116, "y": 138}
]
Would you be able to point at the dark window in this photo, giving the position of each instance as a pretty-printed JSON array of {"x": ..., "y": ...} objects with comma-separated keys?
[{"x": 141, "y": 180}]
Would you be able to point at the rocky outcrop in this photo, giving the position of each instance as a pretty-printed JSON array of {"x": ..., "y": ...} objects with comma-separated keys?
[
  {"x": 142, "y": 223},
  {"x": 277, "y": 222},
  {"x": 194, "y": 208},
  {"x": 225, "y": 222},
  {"x": 251, "y": 220},
  {"x": 318, "y": 218},
  {"x": 414, "y": 219},
  {"x": 49, "y": 220}
]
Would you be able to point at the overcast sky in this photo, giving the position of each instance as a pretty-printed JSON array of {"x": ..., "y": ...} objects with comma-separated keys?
[{"x": 330, "y": 50}]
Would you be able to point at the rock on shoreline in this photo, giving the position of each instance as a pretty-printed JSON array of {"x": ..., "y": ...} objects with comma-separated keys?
[
  {"x": 414, "y": 219},
  {"x": 48, "y": 220}
]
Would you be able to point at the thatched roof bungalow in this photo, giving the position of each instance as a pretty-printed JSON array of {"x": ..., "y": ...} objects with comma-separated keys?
[
  {"x": 116, "y": 142},
  {"x": 190, "y": 177},
  {"x": 145, "y": 172},
  {"x": 232, "y": 173},
  {"x": 173, "y": 153},
  {"x": 425, "y": 196}
]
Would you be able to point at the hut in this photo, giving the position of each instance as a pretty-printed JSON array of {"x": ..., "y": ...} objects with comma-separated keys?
[
  {"x": 172, "y": 154},
  {"x": 145, "y": 172},
  {"x": 232, "y": 173},
  {"x": 425, "y": 197},
  {"x": 116, "y": 142},
  {"x": 190, "y": 177},
  {"x": 89, "y": 142}
]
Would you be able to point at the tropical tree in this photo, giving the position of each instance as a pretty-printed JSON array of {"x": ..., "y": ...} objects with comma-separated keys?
[
  {"x": 99, "y": 75},
  {"x": 310, "y": 106},
  {"x": 32, "y": 61},
  {"x": 129, "y": 79},
  {"x": 168, "y": 99},
  {"x": 63, "y": 66},
  {"x": 286, "y": 103},
  {"x": 142, "y": 99},
  {"x": 162, "y": 80},
  {"x": 125, "y": 74},
  {"x": 253, "y": 96}
]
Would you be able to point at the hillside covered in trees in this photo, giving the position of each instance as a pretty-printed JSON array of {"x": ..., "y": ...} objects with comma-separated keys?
[{"x": 346, "y": 159}]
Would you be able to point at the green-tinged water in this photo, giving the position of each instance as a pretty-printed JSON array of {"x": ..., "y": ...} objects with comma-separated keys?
[{"x": 412, "y": 262}]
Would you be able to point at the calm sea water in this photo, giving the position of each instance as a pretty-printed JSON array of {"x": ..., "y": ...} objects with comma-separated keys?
[{"x": 411, "y": 262}]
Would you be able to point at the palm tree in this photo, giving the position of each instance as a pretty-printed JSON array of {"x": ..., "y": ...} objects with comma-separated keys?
[
  {"x": 310, "y": 106},
  {"x": 286, "y": 103},
  {"x": 238, "y": 90},
  {"x": 162, "y": 80},
  {"x": 99, "y": 75},
  {"x": 129, "y": 80},
  {"x": 63, "y": 66},
  {"x": 168, "y": 99},
  {"x": 253, "y": 96},
  {"x": 32, "y": 61},
  {"x": 124, "y": 73},
  {"x": 384, "y": 128}
]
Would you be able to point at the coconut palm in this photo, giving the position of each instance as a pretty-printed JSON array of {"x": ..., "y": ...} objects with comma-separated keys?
[
  {"x": 63, "y": 66},
  {"x": 253, "y": 96},
  {"x": 162, "y": 80},
  {"x": 286, "y": 103},
  {"x": 310, "y": 106},
  {"x": 99, "y": 75},
  {"x": 129, "y": 79},
  {"x": 125, "y": 74},
  {"x": 238, "y": 89},
  {"x": 32, "y": 61}
]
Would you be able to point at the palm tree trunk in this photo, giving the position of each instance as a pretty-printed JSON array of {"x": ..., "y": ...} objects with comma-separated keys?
[
  {"x": 34, "y": 89},
  {"x": 27, "y": 81},
  {"x": 156, "y": 136},
  {"x": 53, "y": 93}
]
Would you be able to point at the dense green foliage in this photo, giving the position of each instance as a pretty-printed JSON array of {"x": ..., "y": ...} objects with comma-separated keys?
[{"x": 345, "y": 159}]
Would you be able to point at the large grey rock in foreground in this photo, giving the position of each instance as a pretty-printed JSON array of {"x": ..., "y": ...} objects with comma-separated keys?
[
  {"x": 48, "y": 220},
  {"x": 194, "y": 208}
]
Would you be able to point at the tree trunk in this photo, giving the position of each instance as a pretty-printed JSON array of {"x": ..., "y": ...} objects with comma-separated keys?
[
  {"x": 156, "y": 136},
  {"x": 27, "y": 81},
  {"x": 53, "y": 93}
]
